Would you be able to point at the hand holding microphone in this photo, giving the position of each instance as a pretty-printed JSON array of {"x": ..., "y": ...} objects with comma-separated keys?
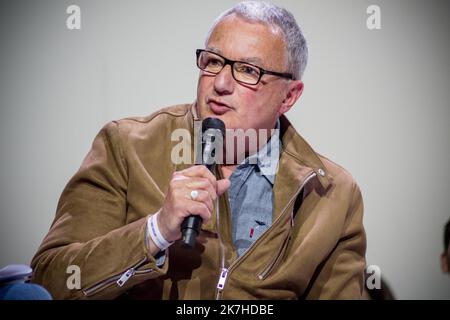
[
  {"x": 213, "y": 132},
  {"x": 191, "y": 195}
]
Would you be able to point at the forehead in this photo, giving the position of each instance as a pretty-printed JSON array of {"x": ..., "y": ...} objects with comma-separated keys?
[{"x": 240, "y": 39}]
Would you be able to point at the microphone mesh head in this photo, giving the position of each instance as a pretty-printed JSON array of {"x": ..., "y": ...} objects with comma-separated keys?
[
  {"x": 213, "y": 132},
  {"x": 213, "y": 123}
]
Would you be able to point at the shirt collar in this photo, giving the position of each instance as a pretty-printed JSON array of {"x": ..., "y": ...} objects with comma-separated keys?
[{"x": 268, "y": 156}]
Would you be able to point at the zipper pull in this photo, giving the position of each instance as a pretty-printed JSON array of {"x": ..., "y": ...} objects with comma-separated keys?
[
  {"x": 124, "y": 278},
  {"x": 222, "y": 278}
]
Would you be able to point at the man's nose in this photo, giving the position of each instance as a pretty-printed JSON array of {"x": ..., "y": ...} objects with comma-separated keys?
[{"x": 224, "y": 81}]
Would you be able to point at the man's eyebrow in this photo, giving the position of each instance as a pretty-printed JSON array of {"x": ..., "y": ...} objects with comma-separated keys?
[
  {"x": 253, "y": 60},
  {"x": 215, "y": 50}
]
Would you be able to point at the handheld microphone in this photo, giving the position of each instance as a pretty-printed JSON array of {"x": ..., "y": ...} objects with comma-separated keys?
[{"x": 213, "y": 132}]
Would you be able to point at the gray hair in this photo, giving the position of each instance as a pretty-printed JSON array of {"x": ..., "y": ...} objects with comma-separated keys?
[{"x": 297, "y": 49}]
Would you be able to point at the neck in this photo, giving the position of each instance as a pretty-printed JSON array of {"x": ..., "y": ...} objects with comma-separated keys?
[
  {"x": 238, "y": 147},
  {"x": 227, "y": 170}
]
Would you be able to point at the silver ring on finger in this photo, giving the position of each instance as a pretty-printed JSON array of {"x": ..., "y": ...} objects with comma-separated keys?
[{"x": 194, "y": 194}]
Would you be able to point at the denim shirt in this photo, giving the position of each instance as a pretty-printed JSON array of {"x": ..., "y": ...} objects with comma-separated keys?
[{"x": 251, "y": 194}]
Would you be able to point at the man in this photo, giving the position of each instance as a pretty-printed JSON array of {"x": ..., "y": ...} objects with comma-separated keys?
[
  {"x": 445, "y": 256},
  {"x": 296, "y": 233}
]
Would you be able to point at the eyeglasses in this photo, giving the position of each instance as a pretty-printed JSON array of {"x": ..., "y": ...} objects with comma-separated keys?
[{"x": 242, "y": 71}]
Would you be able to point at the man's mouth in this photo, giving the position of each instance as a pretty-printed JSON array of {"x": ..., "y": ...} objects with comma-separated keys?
[{"x": 218, "y": 107}]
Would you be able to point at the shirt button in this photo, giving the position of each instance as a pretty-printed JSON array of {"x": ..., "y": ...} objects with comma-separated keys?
[{"x": 321, "y": 172}]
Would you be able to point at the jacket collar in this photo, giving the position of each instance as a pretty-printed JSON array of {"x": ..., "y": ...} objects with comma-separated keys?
[
  {"x": 298, "y": 162},
  {"x": 301, "y": 152}
]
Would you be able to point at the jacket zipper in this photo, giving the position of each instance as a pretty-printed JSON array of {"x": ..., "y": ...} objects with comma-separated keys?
[
  {"x": 226, "y": 271},
  {"x": 267, "y": 270},
  {"x": 120, "y": 279},
  {"x": 222, "y": 278}
]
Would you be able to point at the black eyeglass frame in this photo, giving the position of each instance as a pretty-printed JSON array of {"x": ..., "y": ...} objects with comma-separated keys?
[{"x": 262, "y": 71}]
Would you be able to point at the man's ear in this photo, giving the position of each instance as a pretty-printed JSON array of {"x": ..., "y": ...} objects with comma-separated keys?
[
  {"x": 444, "y": 263},
  {"x": 294, "y": 91}
]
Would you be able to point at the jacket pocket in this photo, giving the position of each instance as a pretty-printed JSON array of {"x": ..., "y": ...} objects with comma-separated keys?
[
  {"x": 119, "y": 279},
  {"x": 275, "y": 262}
]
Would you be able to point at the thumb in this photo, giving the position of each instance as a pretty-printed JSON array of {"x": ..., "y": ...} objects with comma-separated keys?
[{"x": 222, "y": 186}]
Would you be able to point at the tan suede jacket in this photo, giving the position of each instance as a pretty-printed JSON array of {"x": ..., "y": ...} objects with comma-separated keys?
[{"x": 315, "y": 248}]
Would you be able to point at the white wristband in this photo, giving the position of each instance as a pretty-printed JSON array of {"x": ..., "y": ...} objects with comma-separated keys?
[{"x": 155, "y": 234}]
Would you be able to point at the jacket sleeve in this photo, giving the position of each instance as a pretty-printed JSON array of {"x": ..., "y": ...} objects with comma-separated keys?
[
  {"x": 341, "y": 275},
  {"x": 90, "y": 244}
]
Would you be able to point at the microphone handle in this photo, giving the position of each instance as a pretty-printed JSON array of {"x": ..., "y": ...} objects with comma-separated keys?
[{"x": 190, "y": 228}]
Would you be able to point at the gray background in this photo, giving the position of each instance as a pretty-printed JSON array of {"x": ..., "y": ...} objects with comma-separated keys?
[{"x": 376, "y": 102}]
